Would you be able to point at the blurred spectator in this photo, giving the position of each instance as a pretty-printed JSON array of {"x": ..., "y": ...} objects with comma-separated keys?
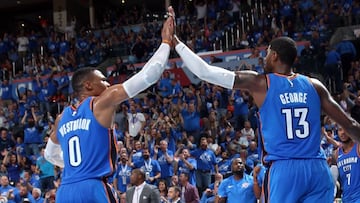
[
  {"x": 3, "y": 120},
  {"x": 208, "y": 196},
  {"x": 206, "y": 161},
  {"x": 214, "y": 59},
  {"x": 121, "y": 117},
  {"x": 333, "y": 71},
  {"x": 248, "y": 131},
  {"x": 347, "y": 52},
  {"x": 307, "y": 56},
  {"x": 64, "y": 83},
  {"x": 36, "y": 193},
  {"x": 24, "y": 195},
  {"x": 186, "y": 164},
  {"x": 136, "y": 122},
  {"x": 191, "y": 116},
  {"x": 50, "y": 196},
  {"x": 150, "y": 166},
  {"x": 122, "y": 175},
  {"x": 46, "y": 172},
  {"x": 138, "y": 51},
  {"x": 164, "y": 85},
  {"x": 6, "y": 143},
  {"x": 165, "y": 158},
  {"x": 7, "y": 190},
  {"x": 163, "y": 189},
  {"x": 189, "y": 193},
  {"x": 241, "y": 109},
  {"x": 120, "y": 68},
  {"x": 14, "y": 165},
  {"x": 32, "y": 133},
  {"x": 6, "y": 92},
  {"x": 23, "y": 43}
]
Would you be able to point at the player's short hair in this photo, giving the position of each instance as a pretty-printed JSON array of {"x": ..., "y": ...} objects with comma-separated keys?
[
  {"x": 286, "y": 49},
  {"x": 80, "y": 76}
]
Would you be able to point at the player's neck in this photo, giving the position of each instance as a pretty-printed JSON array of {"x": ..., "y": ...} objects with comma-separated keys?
[
  {"x": 347, "y": 146},
  {"x": 238, "y": 176},
  {"x": 284, "y": 70}
]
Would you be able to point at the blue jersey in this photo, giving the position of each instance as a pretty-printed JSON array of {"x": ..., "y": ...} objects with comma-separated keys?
[
  {"x": 150, "y": 166},
  {"x": 290, "y": 119},
  {"x": 205, "y": 159},
  {"x": 224, "y": 166},
  {"x": 184, "y": 169},
  {"x": 349, "y": 173},
  {"x": 89, "y": 148},
  {"x": 123, "y": 174},
  {"x": 237, "y": 190},
  {"x": 166, "y": 168}
]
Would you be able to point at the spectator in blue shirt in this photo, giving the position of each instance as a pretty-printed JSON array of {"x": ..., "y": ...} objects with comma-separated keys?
[
  {"x": 122, "y": 174},
  {"x": 36, "y": 193},
  {"x": 187, "y": 164},
  {"x": 32, "y": 134},
  {"x": 191, "y": 119},
  {"x": 44, "y": 96},
  {"x": 64, "y": 46},
  {"x": 14, "y": 164},
  {"x": 46, "y": 172},
  {"x": 347, "y": 52},
  {"x": 24, "y": 195},
  {"x": 64, "y": 83},
  {"x": 6, "y": 92},
  {"x": 241, "y": 109},
  {"x": 206, "y": 161},
  {"x": 165, "y": 158},
  {"x": 7, "y": 190},
  {"x": 150, "y": 166},
  {"x": 165, "y": 86},
  {"x": 224, "y": 164},
  {"x": 333, "y": 70}
]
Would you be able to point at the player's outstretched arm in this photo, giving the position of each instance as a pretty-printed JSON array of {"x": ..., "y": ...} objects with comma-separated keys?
[
  {"x": 53, "y": 152},
  {"x": 332, "y": 108},
  {"x": 213, "y": 74},
  {"x": 149, "y": 74}
]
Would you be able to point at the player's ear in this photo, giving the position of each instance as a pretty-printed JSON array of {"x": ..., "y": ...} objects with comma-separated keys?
[{"x": 88, "y": 85}]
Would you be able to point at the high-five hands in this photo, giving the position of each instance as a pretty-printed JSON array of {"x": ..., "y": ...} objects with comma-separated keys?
[{"x": 167, "y": 32}]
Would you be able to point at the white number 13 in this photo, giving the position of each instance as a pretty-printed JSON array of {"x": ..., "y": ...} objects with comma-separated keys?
[{"x": 302, "y": 128}]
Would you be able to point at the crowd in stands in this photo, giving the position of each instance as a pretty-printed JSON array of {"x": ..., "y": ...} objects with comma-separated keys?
[{"x": 184, "y": 131}]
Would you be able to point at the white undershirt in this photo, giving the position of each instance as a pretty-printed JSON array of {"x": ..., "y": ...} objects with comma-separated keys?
[{"x": 137, "y": 192}]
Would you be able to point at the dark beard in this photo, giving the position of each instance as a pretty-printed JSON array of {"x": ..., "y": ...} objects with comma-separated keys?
[
  {"x": 347, "y": 141},
  {"x": 146, "y": 157},
  {"x": 239, "y": 173}
]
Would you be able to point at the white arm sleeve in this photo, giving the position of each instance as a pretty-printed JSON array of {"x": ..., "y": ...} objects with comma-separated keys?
[
  {"x": 216, "y": 75},
  {"x": 54, "y": 154},
  {"x": 150, "y": 73}
]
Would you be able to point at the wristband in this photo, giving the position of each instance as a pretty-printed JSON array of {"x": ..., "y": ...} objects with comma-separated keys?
[{"x": 166, "y": 41}]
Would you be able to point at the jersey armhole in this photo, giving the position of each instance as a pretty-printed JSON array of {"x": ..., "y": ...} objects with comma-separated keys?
[
  {"x": 92, "y": 104},
  {"x": 267, "y": 79}
]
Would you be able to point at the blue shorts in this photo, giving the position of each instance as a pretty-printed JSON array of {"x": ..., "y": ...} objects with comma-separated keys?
[
  {"x": 299, "y": 180},
  {"x": 89, "y": 191}
]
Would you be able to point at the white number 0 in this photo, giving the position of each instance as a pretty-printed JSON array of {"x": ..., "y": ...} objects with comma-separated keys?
[
  {"x": 74, "y": 151},
  {"x": 301, "y": 114}
]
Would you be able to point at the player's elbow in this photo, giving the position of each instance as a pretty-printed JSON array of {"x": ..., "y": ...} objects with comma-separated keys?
[{"x": 48, "y": 156}]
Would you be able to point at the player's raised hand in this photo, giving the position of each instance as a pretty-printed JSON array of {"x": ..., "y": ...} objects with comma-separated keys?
[{"x": 168, "y": 27}]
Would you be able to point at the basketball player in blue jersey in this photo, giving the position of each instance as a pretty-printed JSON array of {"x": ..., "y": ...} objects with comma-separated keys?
[
  {"x": 348, "y": 162},
  {"x": 83, "y": 131},
  {"x": 290, "y": 107}
]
